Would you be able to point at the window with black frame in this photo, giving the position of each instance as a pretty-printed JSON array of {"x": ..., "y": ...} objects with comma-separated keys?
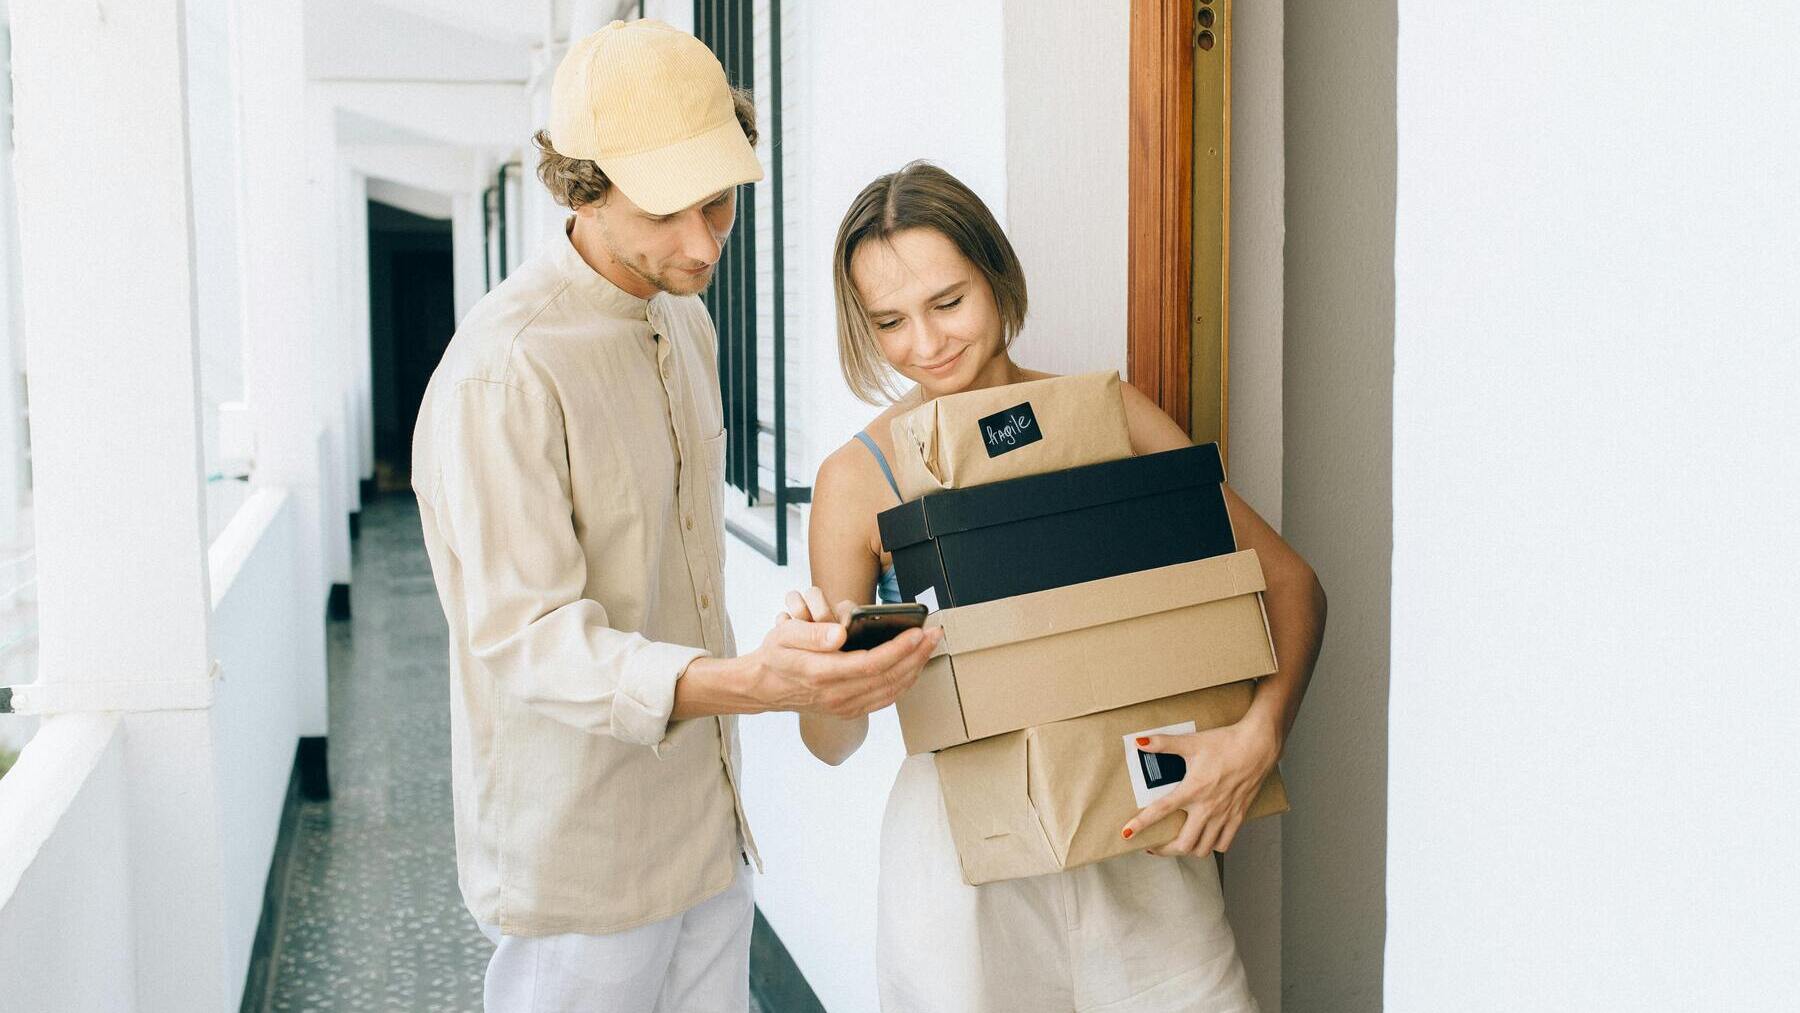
[{"x": 728, "y": 28}]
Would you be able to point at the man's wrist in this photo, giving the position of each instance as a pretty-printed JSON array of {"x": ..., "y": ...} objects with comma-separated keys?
[{"x": 715, "y": 686}]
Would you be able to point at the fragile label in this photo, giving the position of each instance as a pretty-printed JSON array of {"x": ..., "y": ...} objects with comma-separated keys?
[
  {"x": 1007, "y": 431},
  {"x": 1154, "y": 775}
]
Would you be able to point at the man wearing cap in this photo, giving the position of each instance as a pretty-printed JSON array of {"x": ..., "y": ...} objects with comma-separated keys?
[{"x": 568, "y": 461}]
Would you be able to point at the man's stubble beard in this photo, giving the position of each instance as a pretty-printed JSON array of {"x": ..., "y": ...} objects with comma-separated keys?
[{"x": 661, "y": 282}]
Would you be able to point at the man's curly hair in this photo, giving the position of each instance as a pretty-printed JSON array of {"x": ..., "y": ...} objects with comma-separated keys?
[{"x": 574, "y": 182}]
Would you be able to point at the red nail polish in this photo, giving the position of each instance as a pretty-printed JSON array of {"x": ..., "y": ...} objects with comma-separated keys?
[
  {"x": 1142, "y": 741},
  {"x": 1127, "y": 833}
]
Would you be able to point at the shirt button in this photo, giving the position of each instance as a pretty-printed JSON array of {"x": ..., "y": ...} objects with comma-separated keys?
[
  {"x": 666, "y": 369},
  {"x": 705, "y": 601},
  {"x": 689, "y": 519}
]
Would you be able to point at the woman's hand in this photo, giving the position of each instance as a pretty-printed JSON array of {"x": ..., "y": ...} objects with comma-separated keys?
[
  {"x": 809, "y": 606},
  {"x": 1225, "y": 769}
]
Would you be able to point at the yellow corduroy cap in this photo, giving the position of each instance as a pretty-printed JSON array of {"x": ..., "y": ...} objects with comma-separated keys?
[{"x": 649, "y": 103}]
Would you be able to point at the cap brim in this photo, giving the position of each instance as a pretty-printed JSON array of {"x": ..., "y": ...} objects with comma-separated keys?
[{"x": 665, "y": 180}]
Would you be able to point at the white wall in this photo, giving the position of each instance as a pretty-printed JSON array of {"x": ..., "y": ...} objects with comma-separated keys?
[
  {"x": 353, "y": 322},
  {"x": 1338, "y": 365},
  {"x": 283, "y": 358},
  {"x": 213, "y": 162},
  {"x": 18, "y": 659},
  {"x": 1253, "y": 869},
  {"x": 1593, "y": 760},
  {"x": 260, "y": 621},
  {"x": 334, "y": 376},
  {"x": 65, "y": 886},
  {"x": 349, "y": 40},
  {"x": 1067, "y": 159},
  {"x": 944, "y": 101},
  {"x": 15, "y": 468}
]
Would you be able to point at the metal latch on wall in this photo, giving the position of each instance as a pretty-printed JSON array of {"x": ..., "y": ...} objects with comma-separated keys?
[{"x": 42, "y": 699}]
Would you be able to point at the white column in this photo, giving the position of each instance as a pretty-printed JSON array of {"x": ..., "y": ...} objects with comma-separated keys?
[
  {"x": 281, "y": 360},
  {"x": 321, "y": 159},
  {"x": 466, "y": 251},
  {"x": 12, "y": 439},
  {"x": 108, "y": 300},
  {"x": 353, "y": 247}
]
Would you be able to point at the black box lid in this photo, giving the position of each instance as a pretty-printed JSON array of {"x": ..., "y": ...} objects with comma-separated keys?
[{"x": 1017, "y": 499}]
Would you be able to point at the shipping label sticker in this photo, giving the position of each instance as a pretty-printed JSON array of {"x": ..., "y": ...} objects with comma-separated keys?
[
  {"x": 1154, "y": 775},
  {"x": 927, "y": 598},
  {"x": 1007, "y": 431}
]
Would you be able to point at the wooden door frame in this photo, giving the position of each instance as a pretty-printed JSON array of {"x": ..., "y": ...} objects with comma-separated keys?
[{"x": 1159, "y": 263}]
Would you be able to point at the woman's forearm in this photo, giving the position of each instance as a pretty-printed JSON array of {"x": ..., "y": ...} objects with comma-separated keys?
[
  {"x": 833, "y": 739},
  {"x": 1297, "y": 624}
]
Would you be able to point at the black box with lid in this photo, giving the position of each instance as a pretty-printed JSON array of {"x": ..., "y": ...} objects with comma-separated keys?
[{"x": 1034, "y": 533}]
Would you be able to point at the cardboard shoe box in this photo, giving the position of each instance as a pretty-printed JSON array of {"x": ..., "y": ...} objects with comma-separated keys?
[
  {"x": 1055, "y": 797},
  {"x": 1068, "y": 651},
  {"x": 960, "y": 441},
  {"x": 1030, "y": 534}
]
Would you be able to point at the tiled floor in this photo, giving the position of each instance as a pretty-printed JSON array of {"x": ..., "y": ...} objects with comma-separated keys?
[{"x": 373, "y": 919}]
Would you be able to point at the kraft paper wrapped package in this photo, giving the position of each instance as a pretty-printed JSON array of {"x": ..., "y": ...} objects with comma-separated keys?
[
  {"x": 982, "y": 436},
  {"x": 1055, "y": 796}
]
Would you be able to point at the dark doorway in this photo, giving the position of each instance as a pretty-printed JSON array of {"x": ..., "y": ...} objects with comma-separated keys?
[{"x": 412, "y": 313}]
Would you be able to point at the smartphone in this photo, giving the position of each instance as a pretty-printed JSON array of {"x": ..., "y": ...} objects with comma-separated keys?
[{"x": 874, "y": 625}]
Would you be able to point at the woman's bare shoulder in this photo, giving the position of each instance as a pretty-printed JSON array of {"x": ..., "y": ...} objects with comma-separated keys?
[
  {"x": 848, "y": 473},
  {"x": 1151, "y": 428}
]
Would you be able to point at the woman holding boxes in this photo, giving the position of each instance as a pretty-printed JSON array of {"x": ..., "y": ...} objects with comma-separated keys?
[{"x": 928, "y": 285}]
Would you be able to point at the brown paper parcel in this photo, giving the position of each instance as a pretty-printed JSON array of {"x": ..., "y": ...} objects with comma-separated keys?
[
  {"x": 964, "y": 440},
  {"x": 1052, "y": 655},
  {"x": 1056, "y": 796}
]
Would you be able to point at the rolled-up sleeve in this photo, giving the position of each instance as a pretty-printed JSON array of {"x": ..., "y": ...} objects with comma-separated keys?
[{"x": 508, "y": 515}]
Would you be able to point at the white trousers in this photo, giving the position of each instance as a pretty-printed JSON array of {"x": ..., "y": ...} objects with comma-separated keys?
[
  {"x": 696, "y": 962},
  {"x": 1134, "y": 934}
]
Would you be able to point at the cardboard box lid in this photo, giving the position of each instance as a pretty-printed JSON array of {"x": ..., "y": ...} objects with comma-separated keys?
[
  {"x": 958, "y": 510},
  {"x": 1061, "y": 610}
]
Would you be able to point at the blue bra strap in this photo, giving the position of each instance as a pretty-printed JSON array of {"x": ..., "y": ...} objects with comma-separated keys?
[{"x": 881, "y": 459}]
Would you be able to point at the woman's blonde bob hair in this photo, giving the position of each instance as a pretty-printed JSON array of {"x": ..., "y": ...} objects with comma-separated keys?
[{"x": 919, "y": 196}]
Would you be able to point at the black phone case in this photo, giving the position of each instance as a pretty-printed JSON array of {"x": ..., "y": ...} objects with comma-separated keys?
[{"x": 873, "y": 631}]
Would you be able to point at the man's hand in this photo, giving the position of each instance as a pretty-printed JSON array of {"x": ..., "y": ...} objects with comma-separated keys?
[{"x": 801, "y": 667}]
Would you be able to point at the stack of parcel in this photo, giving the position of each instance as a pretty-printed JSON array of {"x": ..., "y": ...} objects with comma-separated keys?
[{"x": 1087, "y": 597}]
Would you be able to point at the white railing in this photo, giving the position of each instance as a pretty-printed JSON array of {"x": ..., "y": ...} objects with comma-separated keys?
[
  {"x": 260, "y": 614},
  {"x": 65, "y": 888},
  {"x": 67, "y": 866}
]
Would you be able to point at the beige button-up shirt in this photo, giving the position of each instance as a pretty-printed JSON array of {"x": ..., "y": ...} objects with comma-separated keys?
[{"x": 568, "y": 463}]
